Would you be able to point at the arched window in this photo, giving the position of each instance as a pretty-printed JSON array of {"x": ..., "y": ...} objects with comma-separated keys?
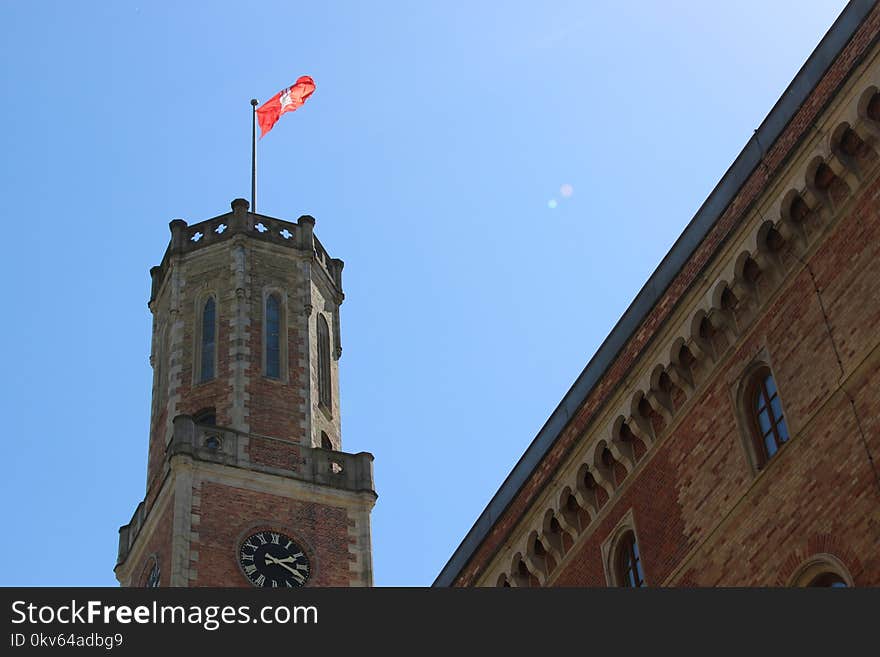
[
  {"x": 629, "y": 563},
  {"x": 206, "y": 416},
  {"x": 768, "y": 423},
  {"x": 823, "y": 571},
  {"x": 324, "y": 395},
  {"x": 325, "y": 441},
  {"x": 828, "y": 580},
  {"x": 209, "y": 317},
  {"x": 273, "y": 336}
]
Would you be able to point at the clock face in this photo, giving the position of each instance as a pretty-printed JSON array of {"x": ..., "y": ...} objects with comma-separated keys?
[{"x": 272, "y": 559}]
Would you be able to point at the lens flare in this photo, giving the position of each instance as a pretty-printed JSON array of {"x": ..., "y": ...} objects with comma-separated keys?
[
  {"x": 566, "y": 190},
  {"x": 552, "y": 203}
]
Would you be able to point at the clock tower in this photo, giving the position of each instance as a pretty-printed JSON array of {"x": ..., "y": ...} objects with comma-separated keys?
[{"x": 247, "y": 483}]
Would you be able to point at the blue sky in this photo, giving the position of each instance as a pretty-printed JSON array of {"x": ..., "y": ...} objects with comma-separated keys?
[{"x": 439, "y": 138}]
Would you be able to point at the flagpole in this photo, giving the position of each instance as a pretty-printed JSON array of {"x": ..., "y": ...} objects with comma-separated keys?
[{"x": 254, "y": 157}]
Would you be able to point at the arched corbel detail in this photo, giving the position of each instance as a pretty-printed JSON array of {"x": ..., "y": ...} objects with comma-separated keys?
[
  {"x": 724, "y": 306},
  {"x": 602, "y": 466},
  {"x": 606, "y": 466},
  {"x": 769, "y": 245},
  {"x": 558, "y": 540},
  {"x": 660, "y": 392},
  {"x": 521, "y": 574},
  {"x": 572, "y": 515},
  {"x": 795, "y": 215},
  {"x": 850, "y": 149},
  {"x": 868, "y": 110},
  {"x": 819, "y": 178},
  {"x": 536, "y": 558},
  {"x": 681, "y": 366},
  {"x": 747, "y": 274},
  {"x": 586, "y": 490},
  {"x": 641, "y": 423},
  {"x": 699, "y": 343},
  {"x": 621, "y": 444}
]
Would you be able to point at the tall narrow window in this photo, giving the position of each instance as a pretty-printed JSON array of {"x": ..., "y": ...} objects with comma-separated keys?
[
  {"x": 770, "y": 425},
  {"x": 273, "y": 337},
  {"x": 629, "y": 563},
  {"x": 324, "y": 395},
  {"x": 208, "y": 338}
]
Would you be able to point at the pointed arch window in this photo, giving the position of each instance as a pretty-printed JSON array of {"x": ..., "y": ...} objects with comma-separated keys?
[
  {"x": 208, "y": 342},
  {"x": 768, "y": 422},
  {"x": 324, "y": 395},
  {"x": 273, "y": 336},
  {"x": 629, "y": 562}
]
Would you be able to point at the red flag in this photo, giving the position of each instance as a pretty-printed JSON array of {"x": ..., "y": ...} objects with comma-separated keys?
[{"x": 285, "y": 100}]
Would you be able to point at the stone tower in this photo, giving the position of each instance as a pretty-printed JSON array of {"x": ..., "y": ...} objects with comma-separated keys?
[{"x": 246, "y": 480}]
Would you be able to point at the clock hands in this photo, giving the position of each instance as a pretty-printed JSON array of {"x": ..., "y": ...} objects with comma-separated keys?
[
  {"x": 277, "y": 560},
  {"x": 283, "y": 563},
  {"x": 261, "y": 549}
]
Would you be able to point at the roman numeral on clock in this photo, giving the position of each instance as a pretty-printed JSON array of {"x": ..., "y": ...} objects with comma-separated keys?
[{"x": 269, "y": 558}]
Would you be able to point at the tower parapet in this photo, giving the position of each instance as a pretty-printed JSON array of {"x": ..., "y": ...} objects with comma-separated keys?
[{"x": 187, "y": 238}]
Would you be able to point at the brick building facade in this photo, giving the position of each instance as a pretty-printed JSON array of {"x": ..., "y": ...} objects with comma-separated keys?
[
  {"x": 246, "y": 480},
  {"x": 727, "y": 433}
]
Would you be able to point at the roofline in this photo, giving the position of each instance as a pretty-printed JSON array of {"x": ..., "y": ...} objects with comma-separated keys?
[{"x": 715, "y": 204}]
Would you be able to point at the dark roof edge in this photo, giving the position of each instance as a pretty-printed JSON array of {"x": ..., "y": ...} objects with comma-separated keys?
[{"x": 783, "y": 111}]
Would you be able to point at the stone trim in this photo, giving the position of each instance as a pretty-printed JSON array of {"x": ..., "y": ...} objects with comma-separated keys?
[{"x": 610, "y": 548}]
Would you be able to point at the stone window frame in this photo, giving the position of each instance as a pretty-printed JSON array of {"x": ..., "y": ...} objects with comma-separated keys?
[
  {"x": 611, "y": 545},
  {"x": 283, "y": 336},
  {"x": 817, "y": 565},
  {"x": 742, "y": 391},
  {"x": 200, "y": 302}
]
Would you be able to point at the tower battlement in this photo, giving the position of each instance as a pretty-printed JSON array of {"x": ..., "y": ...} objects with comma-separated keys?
[{"x": 187, "y": 238}]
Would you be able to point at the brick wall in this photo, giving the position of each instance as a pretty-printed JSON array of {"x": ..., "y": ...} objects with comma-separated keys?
[
  {"x": 701, "y": 472},
  {"x": 703, "y": 515},
  {"x": 227, "y": 514}
]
